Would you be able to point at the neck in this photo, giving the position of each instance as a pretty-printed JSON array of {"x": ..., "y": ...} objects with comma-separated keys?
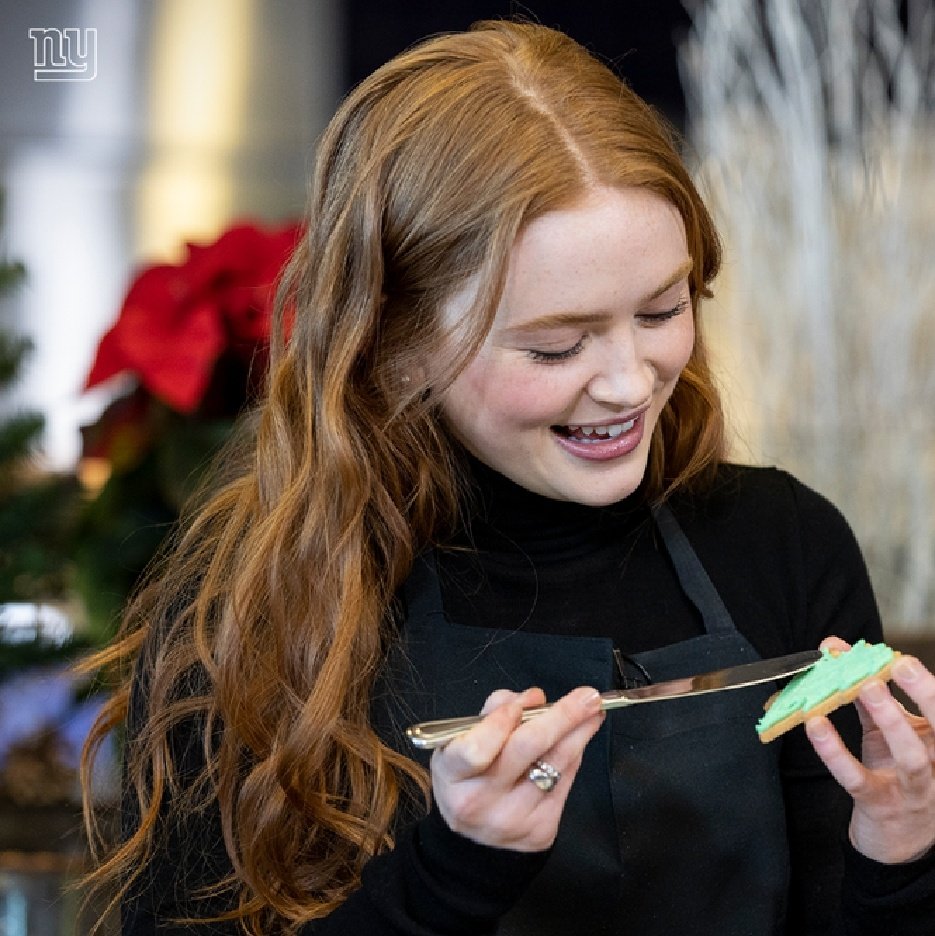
[{"x": 502, "y": 515}]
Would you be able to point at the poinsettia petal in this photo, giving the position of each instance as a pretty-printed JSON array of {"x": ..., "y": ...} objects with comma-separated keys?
[
  {"x": 232, "y": 256},
  {"x": 248, "y": 307},
  {"x": 248, "y": 312},
  {"x": 177, "y": 320},
  {"x": 108, "y": 360},
  {"x": 155, "y": 289},
  {"x": 176, "y": 364}
]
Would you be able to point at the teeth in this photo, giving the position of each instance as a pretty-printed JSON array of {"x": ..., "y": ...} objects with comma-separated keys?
[{"x": 603, "y": 432}]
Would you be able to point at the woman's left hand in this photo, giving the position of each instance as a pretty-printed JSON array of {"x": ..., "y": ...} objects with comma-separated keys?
[{"x": 893, "y": 786}]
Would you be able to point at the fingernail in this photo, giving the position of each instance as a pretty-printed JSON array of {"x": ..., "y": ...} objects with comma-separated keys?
[
  {"x": 907, "y": 670},
  {"x": 590, "y": 699},
  {"x": 874, "y": 693},
  {"x": 818, "y": 729}
]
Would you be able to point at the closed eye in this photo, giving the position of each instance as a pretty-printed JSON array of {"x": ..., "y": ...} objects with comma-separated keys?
[
  {"x": 554, "y": 357},
  {"x": 657, "y": 318}
]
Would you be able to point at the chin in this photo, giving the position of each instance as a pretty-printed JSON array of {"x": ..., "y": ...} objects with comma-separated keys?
[
  {"x": 599, "y": 499},
  {"x": 595, "y": 495}
]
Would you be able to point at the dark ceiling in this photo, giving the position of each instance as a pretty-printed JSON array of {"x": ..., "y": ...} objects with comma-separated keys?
[{"x": 638, "y": 37}]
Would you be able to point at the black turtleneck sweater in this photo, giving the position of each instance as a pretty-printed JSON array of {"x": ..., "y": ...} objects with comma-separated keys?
[
  {"x": 789, "y": 571},
  {"x": 783, "y": 560}
]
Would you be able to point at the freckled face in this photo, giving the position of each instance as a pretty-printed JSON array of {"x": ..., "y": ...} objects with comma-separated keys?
[{"x": 594, "y": 328}]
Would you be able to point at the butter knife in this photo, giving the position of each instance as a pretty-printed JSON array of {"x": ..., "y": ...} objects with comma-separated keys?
[{"x": 432, "y": 734}]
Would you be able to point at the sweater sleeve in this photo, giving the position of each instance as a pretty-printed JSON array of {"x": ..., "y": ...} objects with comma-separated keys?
[
  {"x": 875, "y": 899},
  {"x": 880, "y": 899},
  {"x": 435, "y": 882}
]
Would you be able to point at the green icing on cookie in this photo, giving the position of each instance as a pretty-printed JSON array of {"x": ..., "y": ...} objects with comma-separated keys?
[{"x": 829, "y": 675}]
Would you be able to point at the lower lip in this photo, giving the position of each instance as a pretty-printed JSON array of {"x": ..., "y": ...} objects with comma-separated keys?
[{"x": 606, "y": 449}]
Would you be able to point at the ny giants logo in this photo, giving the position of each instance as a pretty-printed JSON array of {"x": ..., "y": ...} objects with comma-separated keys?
[{"x": 68, "y": 54}]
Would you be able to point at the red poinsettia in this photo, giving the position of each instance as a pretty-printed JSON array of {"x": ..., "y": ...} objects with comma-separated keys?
[{"x": 178, "y": 320}]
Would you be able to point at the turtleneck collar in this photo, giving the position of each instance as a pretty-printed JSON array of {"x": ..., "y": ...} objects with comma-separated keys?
[{"x": 503, "y": 516}]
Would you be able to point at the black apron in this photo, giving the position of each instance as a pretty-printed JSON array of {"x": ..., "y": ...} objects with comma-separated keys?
[{"x": 675, "y": 823}]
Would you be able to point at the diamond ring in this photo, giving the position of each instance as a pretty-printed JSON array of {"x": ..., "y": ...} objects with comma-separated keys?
[{"x": 544, "y": 775}]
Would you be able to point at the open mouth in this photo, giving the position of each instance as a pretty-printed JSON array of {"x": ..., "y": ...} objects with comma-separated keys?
[{"x": 594, "y": 433}]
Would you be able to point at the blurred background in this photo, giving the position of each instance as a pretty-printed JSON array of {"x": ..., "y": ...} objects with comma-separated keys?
[{"x": 153, "y": 164}]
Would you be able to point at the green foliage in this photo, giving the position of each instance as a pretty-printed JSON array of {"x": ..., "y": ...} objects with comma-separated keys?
[
  {"x": 16, "y": 436},
  {"x": 118, "y": 534},
  {"x": 10, "y": 274},
  {"x": 158, "y": 459},
  {"x": 37, "y": 521},
  {"x": 13, "y": 351},
  {"x": 38, "y": 511}
]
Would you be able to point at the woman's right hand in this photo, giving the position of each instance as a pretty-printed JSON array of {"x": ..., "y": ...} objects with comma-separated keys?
[{"x": 480, "y": 779}]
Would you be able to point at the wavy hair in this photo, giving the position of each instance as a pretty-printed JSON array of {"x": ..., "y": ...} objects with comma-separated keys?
[{"x": 263, "y": 627}]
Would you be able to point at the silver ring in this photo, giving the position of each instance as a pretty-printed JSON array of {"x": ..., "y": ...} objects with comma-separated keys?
[{"x": 544, "y": 775}]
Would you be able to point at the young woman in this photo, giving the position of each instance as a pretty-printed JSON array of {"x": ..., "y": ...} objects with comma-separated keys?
[{"x": 490, "y": 467}]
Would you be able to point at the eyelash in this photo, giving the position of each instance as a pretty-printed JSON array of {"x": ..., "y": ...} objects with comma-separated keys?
[
  {"x": 553, "y": 357},
  {"x": 650, "y": 318},
  {"x": 657, "y": 318}
]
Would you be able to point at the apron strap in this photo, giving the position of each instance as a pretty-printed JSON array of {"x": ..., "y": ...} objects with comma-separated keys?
[{"x": 691, "y": 574}]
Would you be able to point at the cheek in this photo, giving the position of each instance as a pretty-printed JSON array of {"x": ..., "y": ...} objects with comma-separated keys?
[
  {"x": 486, "y": 396},
  {"x": 531, "y": 400},
  {"x": 676, "y": 352}
]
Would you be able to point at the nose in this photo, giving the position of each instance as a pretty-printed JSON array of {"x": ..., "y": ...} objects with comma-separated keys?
[{"x": 622, "y": 377}]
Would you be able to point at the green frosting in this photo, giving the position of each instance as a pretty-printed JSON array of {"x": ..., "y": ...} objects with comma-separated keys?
[{"x": 829, "y": 675}]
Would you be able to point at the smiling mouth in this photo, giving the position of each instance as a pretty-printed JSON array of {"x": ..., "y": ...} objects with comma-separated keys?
[{"x": 594, "y": 433}]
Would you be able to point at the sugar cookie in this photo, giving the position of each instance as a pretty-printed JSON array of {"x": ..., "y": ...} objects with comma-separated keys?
[{"x": 833, "y": 681}]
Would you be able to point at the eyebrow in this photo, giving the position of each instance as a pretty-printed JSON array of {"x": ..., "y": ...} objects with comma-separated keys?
[{"x": 562, "y": 319}]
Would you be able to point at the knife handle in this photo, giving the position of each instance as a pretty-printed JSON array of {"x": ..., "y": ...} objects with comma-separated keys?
[{"x": 432, "y": 734}]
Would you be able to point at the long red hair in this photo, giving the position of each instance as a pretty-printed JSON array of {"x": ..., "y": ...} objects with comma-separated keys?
[{"x": 268, "y": 618}]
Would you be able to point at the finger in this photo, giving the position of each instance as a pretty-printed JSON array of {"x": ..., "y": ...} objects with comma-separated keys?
[
  {"x": 843, "y": 766},
  {"x": 475, "y": 751},
  {"x": 496, "y": 699},
  {"x": 568, "y": 753},
  {"x": 565, "y": 757},
  {"x": 866, "y": 719},
  {"x": 907, "y": 749},
  {"x": 834, "y": 644},
  {"x": 500, "y": 697},
  {"x": 918, "y": 683},
  {"x": 538, "y": 735}
]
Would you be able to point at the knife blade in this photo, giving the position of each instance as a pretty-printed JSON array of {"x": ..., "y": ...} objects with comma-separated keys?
[{"x": 433, "y": 734}]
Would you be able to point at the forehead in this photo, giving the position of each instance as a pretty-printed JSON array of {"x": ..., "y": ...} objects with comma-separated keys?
[{"x": 613, "y": 247}]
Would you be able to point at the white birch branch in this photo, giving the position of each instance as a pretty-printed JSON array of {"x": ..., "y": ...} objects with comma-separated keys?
[{"x": 813, "y": 123}]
